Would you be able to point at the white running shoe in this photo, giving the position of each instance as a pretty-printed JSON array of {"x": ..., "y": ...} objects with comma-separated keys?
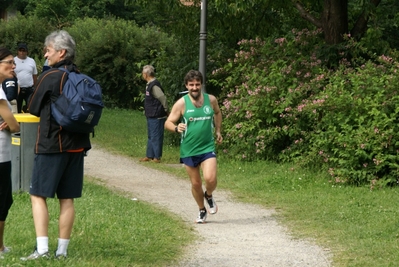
[
  {"x": 201, "y": 216},
  {"x": 213, "y": 208},
  {"x": 36, "y": 255}
]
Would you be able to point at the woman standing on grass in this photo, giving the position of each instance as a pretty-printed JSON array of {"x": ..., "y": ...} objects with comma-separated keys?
[{"x": 8, "y": 125}]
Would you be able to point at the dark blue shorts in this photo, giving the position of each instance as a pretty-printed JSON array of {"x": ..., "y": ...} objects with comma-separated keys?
[
  {"x": 195, "y": 161},
  {"x": 59, "y": 173},
  {"x": 5, "y": 189}
]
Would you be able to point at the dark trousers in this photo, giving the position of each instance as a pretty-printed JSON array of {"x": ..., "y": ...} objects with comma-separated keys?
[
  {"x": 24, "y": 94},
  {"x": 5, "y": 189},
  {"x": 155, "y": 128}
]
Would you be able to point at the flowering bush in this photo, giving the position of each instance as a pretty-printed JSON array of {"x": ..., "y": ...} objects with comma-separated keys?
[
  {"x": 292, "y": 99},
  {"x": 263, "y": 86},
  {"x": 357, "y": 134}
]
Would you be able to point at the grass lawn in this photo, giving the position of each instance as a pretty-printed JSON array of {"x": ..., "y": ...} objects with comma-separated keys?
[{"x": 359, "y": 226}]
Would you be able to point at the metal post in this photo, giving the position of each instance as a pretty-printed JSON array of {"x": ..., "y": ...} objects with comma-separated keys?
[{"x": 203, "y": 37}]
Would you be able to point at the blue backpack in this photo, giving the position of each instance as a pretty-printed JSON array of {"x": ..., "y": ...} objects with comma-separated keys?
[{"x": 79, "y": 107}]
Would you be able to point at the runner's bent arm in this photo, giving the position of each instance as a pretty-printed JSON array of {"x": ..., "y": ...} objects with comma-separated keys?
[
  {"x": 217, "y": 117},
  {"x": 174, "y": 116}
]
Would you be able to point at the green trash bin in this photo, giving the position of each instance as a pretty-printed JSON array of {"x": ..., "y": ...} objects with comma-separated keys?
[{"x": 22, "y": 151}]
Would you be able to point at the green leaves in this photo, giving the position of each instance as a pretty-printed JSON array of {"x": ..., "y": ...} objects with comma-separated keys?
[{"x": 284, "y": 103}]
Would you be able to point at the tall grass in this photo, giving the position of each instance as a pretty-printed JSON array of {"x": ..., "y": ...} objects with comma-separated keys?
[{"x": 360, "y": 226}]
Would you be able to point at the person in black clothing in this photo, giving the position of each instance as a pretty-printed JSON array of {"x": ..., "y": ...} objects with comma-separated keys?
[
  {"x": 58, "y": 164},
  {"x": 11, "y": 88},
  {"x": 156, "y": 111}
]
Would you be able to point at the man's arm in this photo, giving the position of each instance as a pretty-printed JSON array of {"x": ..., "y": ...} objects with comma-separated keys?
[
  {"x": 158, "y": 94},
  {"x": 217, "y": 117},
  {"x": 34, "y": 77},
  {"x": 174, "y": 117}
]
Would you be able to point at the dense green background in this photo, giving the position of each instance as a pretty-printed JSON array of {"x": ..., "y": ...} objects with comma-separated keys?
[{"x": 295, "y": 83}]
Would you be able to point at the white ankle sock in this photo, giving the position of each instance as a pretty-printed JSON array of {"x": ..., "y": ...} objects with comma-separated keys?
[
  {"x": 62, "y": 246},
  {"x": 42, "y": 244}
]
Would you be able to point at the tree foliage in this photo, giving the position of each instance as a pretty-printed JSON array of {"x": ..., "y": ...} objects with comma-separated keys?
[
  {"x": 63, "y": 13},
  {"x": 115, "y": 56}
]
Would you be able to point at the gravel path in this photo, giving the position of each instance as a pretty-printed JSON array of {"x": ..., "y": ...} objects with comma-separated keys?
[{"x": 238, "y": 235}]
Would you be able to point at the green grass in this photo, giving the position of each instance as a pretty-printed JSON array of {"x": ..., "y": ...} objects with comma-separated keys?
[
  {"x": 359, "y": 226},
  {"x": 110, "y": 230}
]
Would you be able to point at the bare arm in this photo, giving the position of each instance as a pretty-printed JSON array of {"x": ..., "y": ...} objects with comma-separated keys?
[
  {"x": 217, "y": 118},
  {"x": 34, "y": 76},
  {"x": 10, "y": 123},
  {"x": 174, "y": 117}
]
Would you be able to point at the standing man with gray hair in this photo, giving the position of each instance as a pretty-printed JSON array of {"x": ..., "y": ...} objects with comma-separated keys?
[
  {"x": 156, "y": 110},
  {"x": 58, "y": 165}
]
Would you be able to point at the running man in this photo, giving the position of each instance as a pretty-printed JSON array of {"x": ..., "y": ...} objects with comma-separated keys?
[{"x": 200, "y": 120}]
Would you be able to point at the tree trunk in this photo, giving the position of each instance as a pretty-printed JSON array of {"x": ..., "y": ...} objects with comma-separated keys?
[{"x": 334, "y": 20}]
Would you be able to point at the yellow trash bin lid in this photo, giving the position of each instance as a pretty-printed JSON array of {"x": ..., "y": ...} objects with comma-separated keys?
[{"x": 26, "y": 117}]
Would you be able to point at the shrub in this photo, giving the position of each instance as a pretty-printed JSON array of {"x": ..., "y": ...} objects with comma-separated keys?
[
  {"x": 356, "y": 136},
  {"x": 115, "y": 55},
  {"x": 31, "y": 30},
  {"x": 262, "y": 86},
  {"x": 292, "y": 99}
]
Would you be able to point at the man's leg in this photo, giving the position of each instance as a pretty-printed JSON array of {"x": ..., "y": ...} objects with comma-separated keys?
[
  {"x": 151, "y": 124},
  {"x": 157, "y": 137},
  {"x": 196, "y": 185},
  {"x": 209, "y": 171},
  {"x": 66, "y": 220},
  {"x": 41, "y": 221},
  {"x": 20, "y": 100},
  {"x": 196, "y": 190}
]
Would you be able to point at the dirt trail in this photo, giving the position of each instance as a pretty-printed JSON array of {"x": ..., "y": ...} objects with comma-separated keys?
[{"x": 238, "y": 235}]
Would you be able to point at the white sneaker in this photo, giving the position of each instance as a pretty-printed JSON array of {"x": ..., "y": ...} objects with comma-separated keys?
[
  {"x": 201, "y": 216},
  {"x": 213, "y": 208},
  {"x": 36, "y": 255}
]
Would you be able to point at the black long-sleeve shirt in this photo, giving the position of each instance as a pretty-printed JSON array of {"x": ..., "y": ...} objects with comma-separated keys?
[{"x": 51, "y": 138}]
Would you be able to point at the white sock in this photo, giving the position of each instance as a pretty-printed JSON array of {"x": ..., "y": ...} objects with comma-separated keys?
[
  {"x": 42, "y": 244},
  {"x": 62, "y": 246}
]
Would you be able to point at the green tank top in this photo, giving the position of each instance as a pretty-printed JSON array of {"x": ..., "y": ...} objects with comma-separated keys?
[{"x": 198, "y": 137}]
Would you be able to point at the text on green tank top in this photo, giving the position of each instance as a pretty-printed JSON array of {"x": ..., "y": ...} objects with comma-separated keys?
[{"x": 198, "y": 137}]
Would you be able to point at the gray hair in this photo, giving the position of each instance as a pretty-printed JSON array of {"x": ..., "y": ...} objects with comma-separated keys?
[
  {"x": 149, "y": 70},
  {"x": 62, "y": 40}
]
